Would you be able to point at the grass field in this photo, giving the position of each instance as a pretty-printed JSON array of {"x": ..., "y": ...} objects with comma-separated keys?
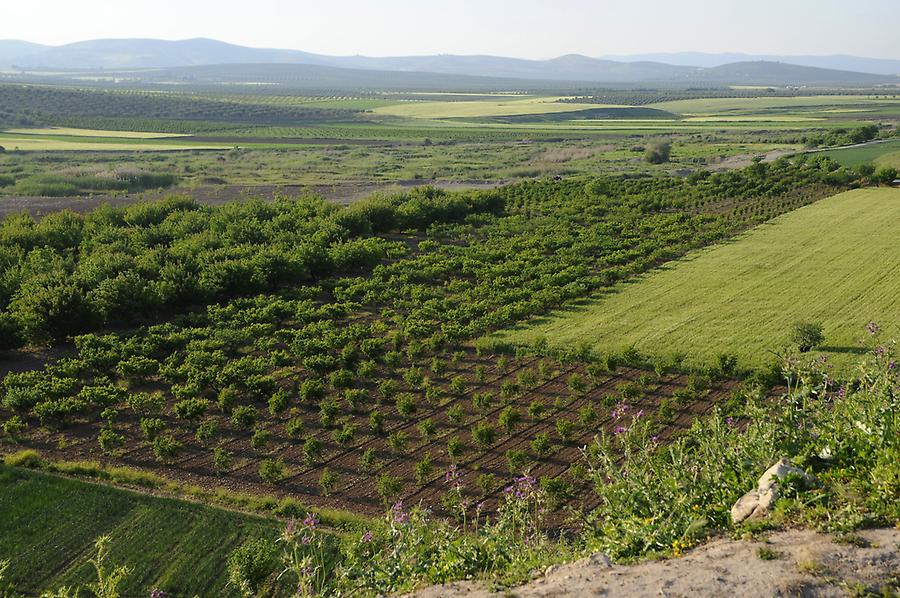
[
  {"x": 50, "y": 140},
  {"x": 92, "y": 133},
  {"x": 481, "y": 108},
  {"x": 823, "y": 104},
  {"x": 49, "y": 525},
  {"x": 881, "y": 154},
  {"x": 836, "y": 261}
]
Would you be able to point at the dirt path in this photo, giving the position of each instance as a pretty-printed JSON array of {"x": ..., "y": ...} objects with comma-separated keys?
[{"x": 801, "y": 563}]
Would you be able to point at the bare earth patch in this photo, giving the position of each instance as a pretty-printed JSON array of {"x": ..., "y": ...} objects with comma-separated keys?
[{"x": 791, "y": 563}]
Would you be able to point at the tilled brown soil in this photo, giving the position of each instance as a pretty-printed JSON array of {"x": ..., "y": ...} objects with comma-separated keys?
[{"x": 357, "y": 490}]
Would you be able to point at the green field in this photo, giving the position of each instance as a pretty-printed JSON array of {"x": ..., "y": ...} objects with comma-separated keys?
[
  {"x": 880, "y": 154},
  {"x": 72, "y": 140},
  {"x": 49, "y": 525},
  {"x": 480, "y": 108},
  {"x": 836, "y": 261}
]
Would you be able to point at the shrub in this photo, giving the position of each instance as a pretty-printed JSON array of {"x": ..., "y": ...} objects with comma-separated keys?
[
  {"x": 807, "y": 335},
  {"x": 367, "y": 460},
  {"x": 207, "y": 430},
  {"x": 509, "y": 419},
  {"x": 427, "y": 428},
  {"x": 398, "y": 442},
  {"x": 455, "y": 448},
  {"x": 345, "y": 435},
  {"x": 388, "y": 487},
  {"x": 250, "y": 565},
  {"x": 312, "y": 450},
  {"x": 328, "y": 411},
  {"x": 541, "y": 445},
  {"x": 110, "y": 441},
  {"x": 244, "y": 416},
  {"x": 376, "y": 422},
  {"x": 221, "y": 460},
  {"x": 14, "y": 426},
  {"x": 516, "y": 460},
  {"x": 424, "y": 469},
  {"x": 328, "y": 481},
  {"x": 486, "y": 483},
  {"x": 260, "y": 439},
  {"x": 312, "y": 391},
  {"x": 406, "y": 405},
  {"x": 565, "y": 429},
  {"x": 279, "y": 402},
  {"x": 272, "y": 470},
  {"x": 484, "y": 434},
  {"x": 191, "y": 409},
  {"x": 295, "y": 428},
  {"x": 658, "y": 153},
  {"x": 151, "y": 427},
  {"x": 455, "y": 414},
  {"x": 166, "y": 448}
]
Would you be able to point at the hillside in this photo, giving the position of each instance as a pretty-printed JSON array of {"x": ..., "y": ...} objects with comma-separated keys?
[
  {"x": 840, "y": 62},
  {"x": 128, "y": 54}
]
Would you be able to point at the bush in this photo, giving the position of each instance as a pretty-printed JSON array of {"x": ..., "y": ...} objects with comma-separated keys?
[
  {"x": 328, "y": 481},
  {"x": 244, "y": 416},
  {"x": 388, "y": 487},
  {"x": 14, "y": 426},
  {"x": 807, "y": 335},
  {"x": 658, "y": 153},
  {"x": 312, "y": 450},
  {"x": 191, "y": 409},
  {"x": 260, "y": 439},
  {"x": 250, "y": 565},
  {"x": 166, "y": 448},
  {"x": 484, "y": 435},
  {"x": 272, "y": 470},
  {"x": 222, "y": 460}
]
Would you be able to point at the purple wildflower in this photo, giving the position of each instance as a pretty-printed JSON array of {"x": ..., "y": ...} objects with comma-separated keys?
[
  {"x": 639, "y": 414},
  {"x": 729, "y": 421},
  {"x": 398, "y": 514},
  {"x": 620, "y": 430},
  {"x": 620, "y": 410},
  {"x": 157, "y": 593},
  {"x": 311, "y": 521},
  {"x": 368, "y": 536}
]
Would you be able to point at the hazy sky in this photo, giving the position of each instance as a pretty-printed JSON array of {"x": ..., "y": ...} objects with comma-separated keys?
[{"x": 525, "y": 28}]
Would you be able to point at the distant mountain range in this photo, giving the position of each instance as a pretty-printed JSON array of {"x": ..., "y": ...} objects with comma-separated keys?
[
  {"x": 840, "y": 62},
  {"x": 681, "y": 69}
]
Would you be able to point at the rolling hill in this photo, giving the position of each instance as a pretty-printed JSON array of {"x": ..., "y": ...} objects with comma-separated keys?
[{"x": 131, "y": 54}]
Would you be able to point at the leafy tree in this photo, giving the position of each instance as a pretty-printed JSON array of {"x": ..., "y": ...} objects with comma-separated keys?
[{"x": 807, "y": 335}]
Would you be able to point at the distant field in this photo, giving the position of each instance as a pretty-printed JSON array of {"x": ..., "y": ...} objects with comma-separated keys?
[
  {"x": 836, "y": 261},
  {"x": 479, "y": 108},
  {"x": 882, "y": 154},
  {"x": 92, "y": 133},
  {"x": 825, "y": 104},
  {"x": 53, "y": 140},
  {"x": 49, "y": 525}
]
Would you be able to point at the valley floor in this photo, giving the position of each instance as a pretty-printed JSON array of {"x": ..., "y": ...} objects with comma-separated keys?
[{"x": 789, "y": 563}]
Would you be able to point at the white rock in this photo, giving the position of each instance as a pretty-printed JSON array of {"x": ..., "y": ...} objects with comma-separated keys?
[
  {"x": 745, "y": 506},
  {"x": 778, "y": 472},
  {"x": 757, "y": 502}
]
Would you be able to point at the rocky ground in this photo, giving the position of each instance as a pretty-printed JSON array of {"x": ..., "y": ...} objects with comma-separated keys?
[{"x": 786, "y": 564}]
